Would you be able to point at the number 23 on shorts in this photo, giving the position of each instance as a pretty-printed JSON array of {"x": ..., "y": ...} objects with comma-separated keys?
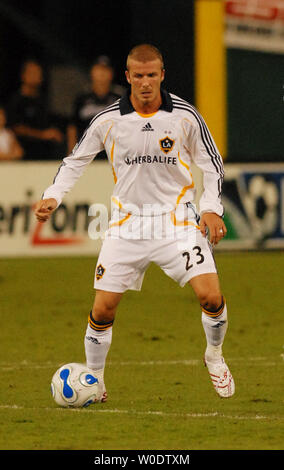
[{"x": 190, "y": 260}]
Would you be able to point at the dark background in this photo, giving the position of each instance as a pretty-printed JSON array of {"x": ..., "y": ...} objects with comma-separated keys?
[
  {"x": 74, "y": 33},
  {"x": 255, "y": 106},
  {"x": 71, "y": 34}
]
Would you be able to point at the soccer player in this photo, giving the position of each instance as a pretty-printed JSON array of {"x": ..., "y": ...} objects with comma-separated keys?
[{"x": 151, "y": 138}]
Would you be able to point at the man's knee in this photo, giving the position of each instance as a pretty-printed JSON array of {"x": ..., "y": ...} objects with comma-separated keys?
[
  {"x": 208, "y": 291},
  {"x": 105, "y": 305},
  {"x": 211, "y": 301}
]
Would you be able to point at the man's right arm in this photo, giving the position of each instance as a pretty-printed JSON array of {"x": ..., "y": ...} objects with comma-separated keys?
[{"x": 70, "y": 170}]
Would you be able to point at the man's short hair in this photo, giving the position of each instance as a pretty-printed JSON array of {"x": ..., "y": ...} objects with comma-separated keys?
[{"x": 145, "y": 53}]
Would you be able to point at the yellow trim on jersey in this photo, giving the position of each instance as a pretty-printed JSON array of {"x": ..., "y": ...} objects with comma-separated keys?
[
  {"x": 182, "y": 223},
  {"x": 183, "y": 191},
  {"x": 185, "y": 188},
  {"x": 120, "y": 222},
  {"x": 183, "y": 163},
  {"x": 107, "y": 134},
  {"x": 180, "y": 196},
  {"x": 187, "y": 167},
  {"x": 146, "y": 115},
  {"x": 111, "y": 157},
  {"x": 118, "y": 203}
]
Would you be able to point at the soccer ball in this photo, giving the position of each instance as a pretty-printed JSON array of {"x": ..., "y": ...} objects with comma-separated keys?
[{"x": 75, "y": 385}]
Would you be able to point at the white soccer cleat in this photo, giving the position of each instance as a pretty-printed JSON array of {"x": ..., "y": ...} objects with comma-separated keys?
[
  {"x": 104, "y": 396},
  {"x": 102, "y": 393},
  {"x": 221, "y": 377}
]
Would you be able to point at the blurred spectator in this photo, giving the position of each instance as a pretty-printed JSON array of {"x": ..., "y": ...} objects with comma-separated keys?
[
  {"x": 10, "y": 149},
  {"x": 29, "y": 118},
  {"x": 87, "y": 105}
]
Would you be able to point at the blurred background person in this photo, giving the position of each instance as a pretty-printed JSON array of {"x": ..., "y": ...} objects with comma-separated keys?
[
  {"x": 29, "y": 118},
  {"x": 87, "y": 105},
  {"x": 10, "y": 149}
]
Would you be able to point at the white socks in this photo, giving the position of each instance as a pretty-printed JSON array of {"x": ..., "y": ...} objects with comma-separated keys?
[
  {"x": 215, "y": 325},
  {"x": 97, "y": 344}
]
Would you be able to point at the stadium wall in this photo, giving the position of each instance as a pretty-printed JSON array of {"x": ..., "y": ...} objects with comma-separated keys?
[
  {"x": 253, "y": 197},
  {"x": 254, "y": 35},
  {"x": 22, "y": 184}
]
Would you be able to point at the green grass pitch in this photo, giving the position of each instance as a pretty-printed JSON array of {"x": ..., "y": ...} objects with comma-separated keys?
[{"x": 160, "y": 395}]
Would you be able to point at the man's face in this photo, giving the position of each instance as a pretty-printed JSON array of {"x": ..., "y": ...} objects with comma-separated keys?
[{"x": 145, "y": 79}]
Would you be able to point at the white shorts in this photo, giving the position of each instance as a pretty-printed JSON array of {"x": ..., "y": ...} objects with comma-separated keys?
[{"x": 174, "y": 242}]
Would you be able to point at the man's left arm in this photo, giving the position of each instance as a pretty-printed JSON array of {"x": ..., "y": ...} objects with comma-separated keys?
[{"x": 207, "y": 157}]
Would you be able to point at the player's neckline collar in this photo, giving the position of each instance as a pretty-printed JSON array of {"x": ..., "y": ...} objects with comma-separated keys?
[{"x": 126, "y": 107}]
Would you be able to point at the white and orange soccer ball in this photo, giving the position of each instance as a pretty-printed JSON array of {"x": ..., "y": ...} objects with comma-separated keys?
[{"x": 74, "y": 385}]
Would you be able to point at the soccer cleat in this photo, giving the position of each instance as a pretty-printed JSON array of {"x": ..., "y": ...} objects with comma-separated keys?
[
  {"x": 102, "y": 388},
  {"x": 104, "y": 396},
  {"x": 221, "y": 377}
]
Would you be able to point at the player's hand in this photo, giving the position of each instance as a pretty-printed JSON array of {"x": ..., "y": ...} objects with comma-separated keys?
[
  {"x": 214, "y": 223},
  {"x": 44, "y": 208}
]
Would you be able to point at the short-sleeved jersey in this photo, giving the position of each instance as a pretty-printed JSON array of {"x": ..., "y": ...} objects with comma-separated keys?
[{"x": 151, "y": 156}]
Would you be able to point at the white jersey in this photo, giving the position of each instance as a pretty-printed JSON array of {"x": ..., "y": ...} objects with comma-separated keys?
[{"x": 151, "y": 157}]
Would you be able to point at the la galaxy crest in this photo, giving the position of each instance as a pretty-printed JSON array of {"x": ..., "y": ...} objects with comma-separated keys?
[
  {"x": 100, "y": 272},
  {"x": 166, "y": 144}
]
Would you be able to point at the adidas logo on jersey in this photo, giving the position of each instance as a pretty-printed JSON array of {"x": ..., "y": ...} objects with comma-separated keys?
[{"x": 147, "y": 127}]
